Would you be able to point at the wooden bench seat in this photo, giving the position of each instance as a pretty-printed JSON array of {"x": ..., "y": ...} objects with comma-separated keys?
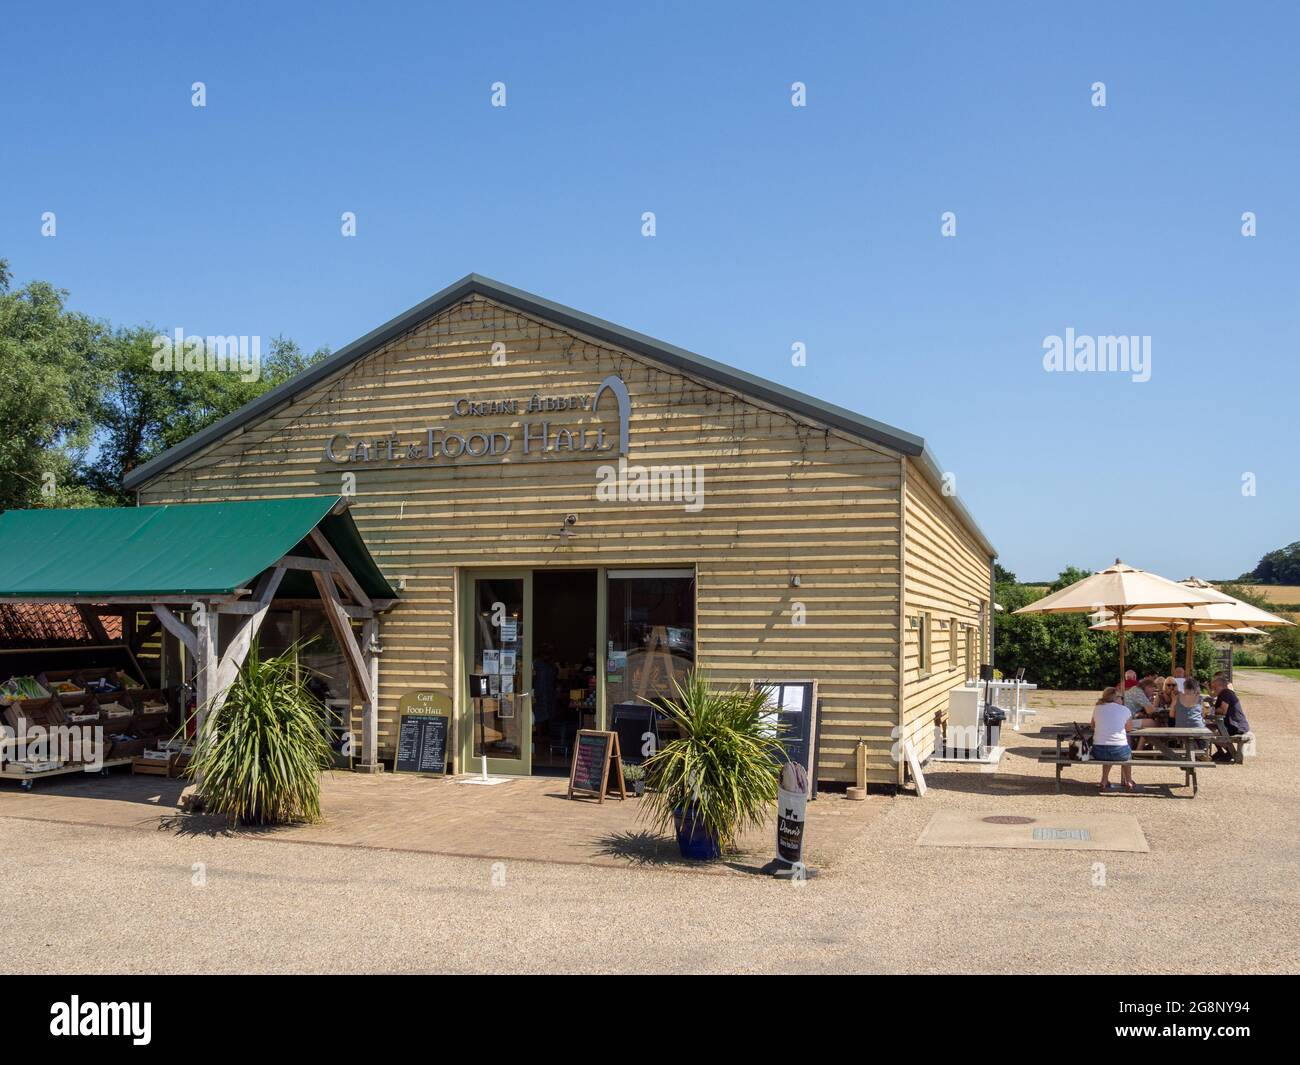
[{"x": 1142, "y": 758}]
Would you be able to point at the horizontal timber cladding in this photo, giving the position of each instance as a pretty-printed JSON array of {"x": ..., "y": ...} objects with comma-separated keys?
[
  {"x": 945, "y": 600},
  {"x": 781, "y": 497}
]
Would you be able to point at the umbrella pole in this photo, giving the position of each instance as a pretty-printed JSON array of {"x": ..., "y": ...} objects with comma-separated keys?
[
  {"x": 1120, "y": 614},
  {"x": 1190, "y": 653},
  {"x": 1173, "y": 648}
]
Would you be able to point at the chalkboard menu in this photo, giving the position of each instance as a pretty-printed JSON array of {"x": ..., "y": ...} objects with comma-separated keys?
[
  {"x": 421, "y": 744},
  {"x": 593, "y": 753},
  {"x": 793, "y": 707},
  {"x": 632, "y": 721}
]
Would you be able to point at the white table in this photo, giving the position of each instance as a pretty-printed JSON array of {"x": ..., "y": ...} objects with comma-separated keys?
[{"x": 1011, "y": 690}]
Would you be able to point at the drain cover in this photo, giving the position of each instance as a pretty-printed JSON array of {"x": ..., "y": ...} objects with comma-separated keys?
[
  {"x": 1008, "y": 819},
  {"x": 1080, "y": 834}
]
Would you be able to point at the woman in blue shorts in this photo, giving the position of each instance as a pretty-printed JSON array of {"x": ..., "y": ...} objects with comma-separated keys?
[{"x": 1111, "y": 722}]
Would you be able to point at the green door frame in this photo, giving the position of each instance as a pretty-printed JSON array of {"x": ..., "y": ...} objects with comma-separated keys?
[
  {"x": 523, "y": 765},
  {"x": 465, "y": 578}
]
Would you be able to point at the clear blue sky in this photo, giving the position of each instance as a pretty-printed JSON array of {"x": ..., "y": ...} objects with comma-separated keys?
[{"x": 775, "y": 224}]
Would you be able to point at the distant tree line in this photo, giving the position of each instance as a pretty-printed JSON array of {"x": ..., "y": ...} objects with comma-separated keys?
[{"x": 1277, "y": 567}]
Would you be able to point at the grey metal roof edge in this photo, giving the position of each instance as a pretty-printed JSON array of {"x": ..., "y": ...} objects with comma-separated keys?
[
  {"x": 285, "y": 391},
  {"x": 476, "y": 284},
  {"x": 930, "y": 466}
]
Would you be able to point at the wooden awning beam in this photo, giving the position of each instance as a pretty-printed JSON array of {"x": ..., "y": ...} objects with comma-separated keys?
[
  {"x": 239, "y": 645},
  {"x": 343, "y": 636},
  {"x": 177, "y": 628},
  {"x": 341, "y": 571}
]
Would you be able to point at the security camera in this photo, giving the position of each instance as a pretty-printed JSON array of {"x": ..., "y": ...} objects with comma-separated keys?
[{"x": 570, "y": 519}]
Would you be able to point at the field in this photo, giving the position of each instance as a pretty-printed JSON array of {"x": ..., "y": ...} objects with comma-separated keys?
[
  {"x": 1280, "y": 595},
  {"x": 1294, "y": 674}
]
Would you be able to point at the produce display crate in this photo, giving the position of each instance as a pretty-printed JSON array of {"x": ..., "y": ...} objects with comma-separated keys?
[
  {"x": 171, "y": 766},
  {"x": 134, "y": 718},
  {"x": 43, "y": 712},
  {"x": 61, "y": 682},
  {"x": 21, "y": 687},
  {"x": 10, "y": 771}
]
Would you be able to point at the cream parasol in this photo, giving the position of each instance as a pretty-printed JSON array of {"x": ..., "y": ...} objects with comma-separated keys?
[
  {"x": 1228, "y": 615},
  {"x": 1116, "y": 591}
]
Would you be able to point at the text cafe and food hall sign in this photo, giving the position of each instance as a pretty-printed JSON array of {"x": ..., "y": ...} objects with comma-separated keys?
[{"x": 537, "y": 434}]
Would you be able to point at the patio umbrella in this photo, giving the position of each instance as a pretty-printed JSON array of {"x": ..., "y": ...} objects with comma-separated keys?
[
  {"x": 1228, "y": 613},
  {"x": 1134, "y": 624},
  {"x": 1117, "y": 590}
]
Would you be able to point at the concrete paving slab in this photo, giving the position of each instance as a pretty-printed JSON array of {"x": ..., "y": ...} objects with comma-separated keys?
[{"x": 1071, "y": 832}]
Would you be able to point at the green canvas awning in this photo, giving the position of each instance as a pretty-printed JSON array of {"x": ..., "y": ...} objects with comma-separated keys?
[{"x": 198, "y": 549}]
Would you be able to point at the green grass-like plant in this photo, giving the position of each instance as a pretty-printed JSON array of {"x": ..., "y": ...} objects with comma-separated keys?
[
  {"x": 260, "y": 756},
  {"x": 724, "y": 766}
]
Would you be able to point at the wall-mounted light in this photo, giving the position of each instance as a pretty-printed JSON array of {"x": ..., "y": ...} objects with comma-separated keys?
[{"x": 794, "y": 581}]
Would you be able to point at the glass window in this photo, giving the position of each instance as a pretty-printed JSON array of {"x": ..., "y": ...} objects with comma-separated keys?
[
  {"x": 500, "y": 726},
  {"x": 651, "y": 631}
]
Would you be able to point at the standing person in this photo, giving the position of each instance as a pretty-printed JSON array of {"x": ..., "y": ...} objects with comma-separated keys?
[
  {"x": 1228, "y": 705},
  {"x": 1111, "y": 722},
  {"x": 544, "y": 677}
]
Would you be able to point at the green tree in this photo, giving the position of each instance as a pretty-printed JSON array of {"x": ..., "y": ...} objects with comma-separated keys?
[
  {"x": 1279, "y": 567},
  {"x": 1283, "y": 648},
  {"x": 52, "y": 363},
  {"x": 144, "y": 411}
]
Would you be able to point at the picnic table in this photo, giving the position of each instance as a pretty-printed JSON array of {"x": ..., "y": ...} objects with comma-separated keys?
[
  {"x": 1170, "y": 747},
  {"x": 1235, "y": 743}
]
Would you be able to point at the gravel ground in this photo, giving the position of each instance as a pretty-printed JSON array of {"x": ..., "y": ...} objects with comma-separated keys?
[{"x": 1217, "y": 893}]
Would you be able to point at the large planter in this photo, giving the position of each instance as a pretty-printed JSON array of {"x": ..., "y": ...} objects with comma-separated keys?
[{"x": 695, "y": 842}]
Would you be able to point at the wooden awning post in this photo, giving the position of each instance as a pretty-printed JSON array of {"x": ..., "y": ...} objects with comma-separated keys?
[
  {"x": 370, "y": 705},
  {"x": 205, "y": 671}
]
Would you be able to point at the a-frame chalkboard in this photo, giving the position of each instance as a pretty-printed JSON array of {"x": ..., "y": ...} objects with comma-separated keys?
[{"x": 595, "y": 757}]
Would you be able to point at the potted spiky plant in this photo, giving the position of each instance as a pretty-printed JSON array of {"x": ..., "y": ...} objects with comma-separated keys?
[
  {"x": 259, "y": 757},
  {"x": 719, "y": 777}
]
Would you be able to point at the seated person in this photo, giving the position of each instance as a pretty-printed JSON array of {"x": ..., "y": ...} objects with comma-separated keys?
[
  {"x": 1188, "y": 714},
  {"x": 1111, "y": 722},
  {"x": 1130, "y": 679},
  {"x": 1187, "y": 708},
  {"x": 1180, "y": 677},
  {"x": 1228, "y": 706},
  {"x": 1166, "y": 697},
  {"x": 1140, "y": 699}
]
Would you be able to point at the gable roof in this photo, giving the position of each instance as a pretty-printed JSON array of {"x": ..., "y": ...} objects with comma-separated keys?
[{"x": 566, "y": 317}]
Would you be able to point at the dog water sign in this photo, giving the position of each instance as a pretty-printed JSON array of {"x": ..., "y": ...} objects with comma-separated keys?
[{"x": 791, "y": 813}]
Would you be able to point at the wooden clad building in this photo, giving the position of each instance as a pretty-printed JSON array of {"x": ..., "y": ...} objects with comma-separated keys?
[{"x": 597, "y": 511}]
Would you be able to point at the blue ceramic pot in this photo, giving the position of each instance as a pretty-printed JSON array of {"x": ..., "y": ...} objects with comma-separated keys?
[{"x": 695, "y": 842}]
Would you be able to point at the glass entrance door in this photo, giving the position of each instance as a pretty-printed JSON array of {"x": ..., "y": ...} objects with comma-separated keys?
[{"x": 499, "y": 650}]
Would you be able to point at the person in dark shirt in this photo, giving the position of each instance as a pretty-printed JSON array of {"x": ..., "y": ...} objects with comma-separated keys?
[{"x": 1227, "y": 704}]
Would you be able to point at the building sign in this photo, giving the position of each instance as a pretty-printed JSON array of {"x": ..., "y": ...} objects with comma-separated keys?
[{"x": 543, "y": 430}]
